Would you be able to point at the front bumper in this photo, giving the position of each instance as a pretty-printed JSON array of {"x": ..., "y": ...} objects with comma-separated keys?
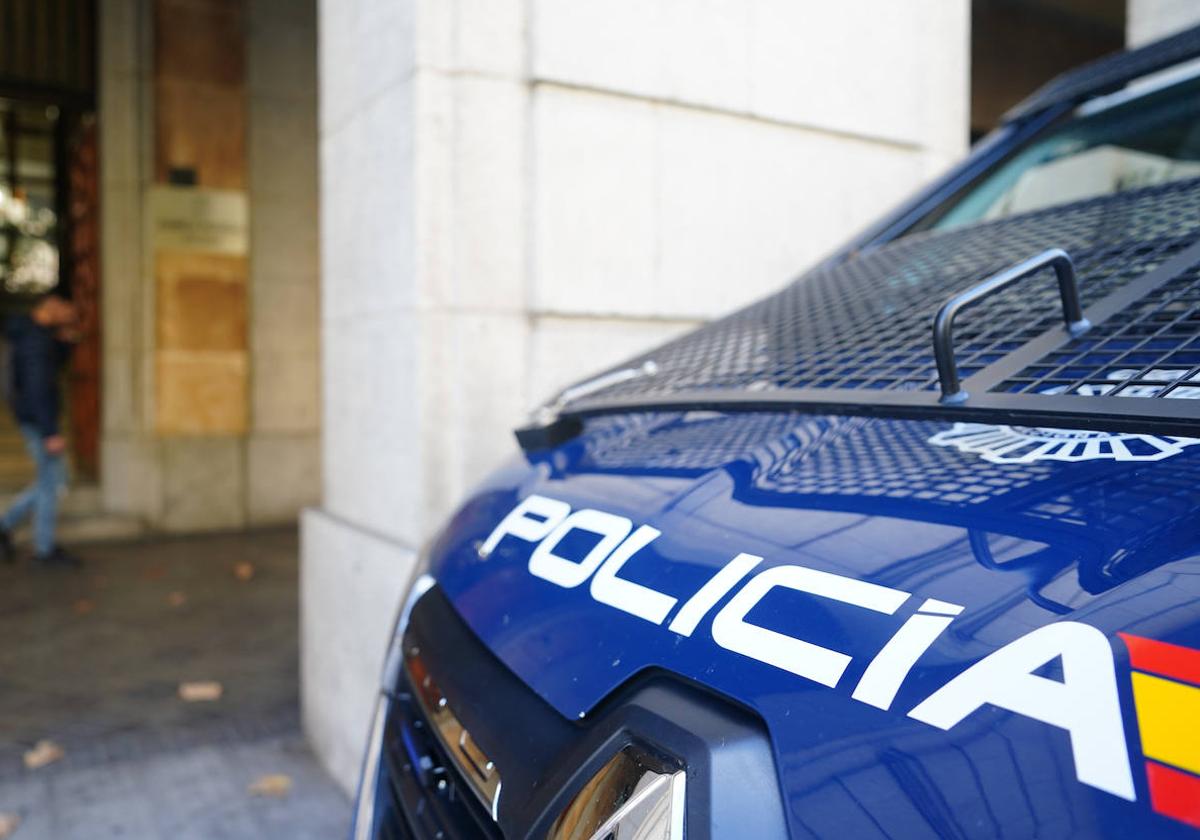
[{"x": 420, "y": 790}]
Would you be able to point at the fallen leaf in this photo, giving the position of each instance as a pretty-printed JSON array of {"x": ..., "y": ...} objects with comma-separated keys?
[
  {"x": 243, "y": 571},
  {"x": 44, "y": 752},
  {"x": 176, "y": 599},
  {"x": 8, "y": 824},
  {"x": 272, "y": 784},
  {"x": 200, "y": 691},
  {"x": 83, "y": 606}
]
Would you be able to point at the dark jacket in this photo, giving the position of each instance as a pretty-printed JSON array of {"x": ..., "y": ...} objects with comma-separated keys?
[{"x": 36, "y": 357}]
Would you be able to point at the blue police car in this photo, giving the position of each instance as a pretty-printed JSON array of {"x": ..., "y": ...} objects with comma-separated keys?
[{"x": 909, "y": 549}]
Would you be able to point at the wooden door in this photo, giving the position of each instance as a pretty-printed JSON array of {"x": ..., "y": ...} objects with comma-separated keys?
[{"x": 83, "y": 210}]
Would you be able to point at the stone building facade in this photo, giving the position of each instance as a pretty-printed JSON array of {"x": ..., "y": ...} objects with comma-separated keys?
[
  {"x": 346, "y": 245},
  {"x": 211, "y": 386}
]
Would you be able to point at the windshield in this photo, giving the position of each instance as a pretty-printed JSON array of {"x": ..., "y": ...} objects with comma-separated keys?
[{"x": 1149, "y": 140}]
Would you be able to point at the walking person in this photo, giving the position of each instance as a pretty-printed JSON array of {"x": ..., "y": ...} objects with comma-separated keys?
[{"x": 38, "y": 346}]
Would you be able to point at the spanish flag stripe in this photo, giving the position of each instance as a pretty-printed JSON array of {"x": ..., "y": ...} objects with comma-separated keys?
[
  {"x": 1168, "y": 660},
  {"x": 1174, "y": 794},
  {"x": 1167, "y": 712}
]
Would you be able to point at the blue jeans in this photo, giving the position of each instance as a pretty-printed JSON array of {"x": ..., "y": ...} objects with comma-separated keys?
[{"x": 40, "y": 498}]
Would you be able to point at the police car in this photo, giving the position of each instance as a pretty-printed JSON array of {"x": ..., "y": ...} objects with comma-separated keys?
[{"x": 908, "y": 549}]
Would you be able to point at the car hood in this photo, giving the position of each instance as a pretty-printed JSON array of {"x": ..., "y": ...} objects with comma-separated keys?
[{"x": 1021, "y": 528}]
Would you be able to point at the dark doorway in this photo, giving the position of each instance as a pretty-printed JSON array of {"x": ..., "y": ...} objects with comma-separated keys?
[
  {"x": 1018, "y": 45},
  {"x": 49, "y": 196}
]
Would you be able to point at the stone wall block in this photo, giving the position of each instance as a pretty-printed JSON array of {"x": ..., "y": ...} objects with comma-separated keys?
[
  {"x": 283, "y": 476},
  {"x": 202, "y": 484},
  {"x": 351, "y": 584},
  {"x": 371, "y": 441},
  {"x": 471, "y": 192},
  {"x": 367, "y": 217},
  {"x": 693, "y": 51},
  {"x": 595, "y": 171},
  {"x": 365, "y": 48}
]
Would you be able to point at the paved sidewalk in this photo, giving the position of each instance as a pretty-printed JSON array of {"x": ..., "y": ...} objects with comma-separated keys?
[
  {"x": 196, "y": 794},
  {"x": 92, "y": 660}
]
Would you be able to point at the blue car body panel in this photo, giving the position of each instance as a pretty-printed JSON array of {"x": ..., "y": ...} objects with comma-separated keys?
[{"x": 1109, "y": 543}]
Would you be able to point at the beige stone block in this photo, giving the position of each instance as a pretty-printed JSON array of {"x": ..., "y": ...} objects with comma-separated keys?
[
  {"x": 200, "y": 393},
  {"x": 298, "y": 14},
  {"x": 471, "y": 192},
  {"x": 119, "y": 403},
  {"x": 883, "y": 177},
  {"x": 121, "y": 267},
  {"x": 130, "y": 475},
  {"x": 365, "y": 48},
  {"x": 666, "y": 211},
  {"x": 201, "y": 301},
  {"x": 819, "y": 65},
  {"x": 371, "y": 422},
  {"x": 286, "y": 313},
  {"x": 367, "y": 213},
  {"x": 202, "y": 484},
  {"x": 482, "y": 37},
  {"x": 284, "y": 476},
  {"x": 284, "y": 242},
  {"x": 595, "y": 201},
  {"x": 282, "y": 49},
  {"x": 946, "y": 111},
  {"x": 351, "y": 584},
  {"x": 116, "y": 40},
  {"x": 282, "y": 149},
  {"x": 119, "y": 140},
  {"x": 202, "y": 127},
  {"x": 1149, "y": 20},
  {"x": 783, "y": 199},
  {"x": 473, "y": 394},
  {"x": 674, "y": 50},
  {"x": 286, "y": 391}
]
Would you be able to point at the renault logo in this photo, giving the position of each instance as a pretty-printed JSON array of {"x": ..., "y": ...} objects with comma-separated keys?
[{"x": 633, "y": 797}]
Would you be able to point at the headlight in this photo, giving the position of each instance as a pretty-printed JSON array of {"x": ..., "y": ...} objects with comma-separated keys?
[{"x": 634, "y": 795}]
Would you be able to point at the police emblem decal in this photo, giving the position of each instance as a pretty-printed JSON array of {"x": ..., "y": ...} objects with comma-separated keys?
[{"x": 1027, "y": 444}]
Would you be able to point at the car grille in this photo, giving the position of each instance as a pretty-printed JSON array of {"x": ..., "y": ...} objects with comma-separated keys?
[
  {"x": 545, "y": 758},
  {"x": 420, "y": 791}
]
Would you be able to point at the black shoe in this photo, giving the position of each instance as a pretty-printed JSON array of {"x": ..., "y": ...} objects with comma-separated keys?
[
  {"x": 58, "y": 558},
  {"x": 8, "y": 554}
]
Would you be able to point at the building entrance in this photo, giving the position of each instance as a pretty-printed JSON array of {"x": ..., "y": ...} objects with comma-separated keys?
[{"x": 49, "y": 204}]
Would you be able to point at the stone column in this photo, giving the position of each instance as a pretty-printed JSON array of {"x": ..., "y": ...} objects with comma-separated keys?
[
  {"x": 515, "y": 193},
  {"x": 1149, "y": 20},
  {"x": 211, "y": 382},
  {"x": 129, "y": 458},
  {"x": 283, "y": 469}
]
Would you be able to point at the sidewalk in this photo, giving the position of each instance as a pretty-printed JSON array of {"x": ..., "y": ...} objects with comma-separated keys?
[
  {"x": 196, "y": 794},
  {"x": 93, "y": 659}
]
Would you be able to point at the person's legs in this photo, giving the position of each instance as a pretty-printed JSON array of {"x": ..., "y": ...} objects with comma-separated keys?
[
  {"x": 50, "y": 475},
  {"x": 22, "y": 506}
]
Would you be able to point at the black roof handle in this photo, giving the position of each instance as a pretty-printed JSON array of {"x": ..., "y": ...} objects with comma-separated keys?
[{"x": 943, "y": 322}]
